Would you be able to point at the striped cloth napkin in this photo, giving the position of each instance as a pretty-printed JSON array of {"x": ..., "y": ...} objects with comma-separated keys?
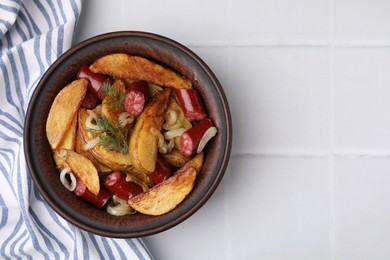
[{"x": 33, "y": 34}]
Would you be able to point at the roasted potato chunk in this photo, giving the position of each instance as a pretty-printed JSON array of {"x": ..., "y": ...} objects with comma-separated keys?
[
  {"x": 63, "y": 111},
  {"x": 175, "y": 158},
  {"x": 196, "y": 163},
  {"x": 83, "y": 168},
  {"x": 166, "y": 195},
  {"x": 143, "y": 143},
  {"x": 124, "y": 66},
  {"x": 79, "y": 148},
  {"x": 69, "y": 140},
  {"x": 109, "y": 109},
  {"x": 112, "y": 159}
]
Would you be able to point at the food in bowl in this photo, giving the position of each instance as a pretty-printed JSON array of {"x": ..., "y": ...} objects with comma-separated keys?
[{"x": 128, "y": 134}]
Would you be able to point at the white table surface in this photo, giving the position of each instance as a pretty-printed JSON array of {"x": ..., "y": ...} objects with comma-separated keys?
[{"x": 308, "y": 84}]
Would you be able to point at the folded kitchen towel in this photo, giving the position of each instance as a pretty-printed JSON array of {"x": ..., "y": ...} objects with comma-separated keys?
[{"x": 33, "y": 34}]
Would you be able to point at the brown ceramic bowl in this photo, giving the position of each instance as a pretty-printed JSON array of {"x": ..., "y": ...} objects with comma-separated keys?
[{"x": 38, "y": 154}]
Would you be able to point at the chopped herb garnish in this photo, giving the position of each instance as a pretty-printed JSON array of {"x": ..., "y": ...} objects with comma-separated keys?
[
  {"x": 115, "y": 100},
  {"x": 112, "y": 137}
]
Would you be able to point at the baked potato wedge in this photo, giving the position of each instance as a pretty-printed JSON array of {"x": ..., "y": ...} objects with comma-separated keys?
[
  {"x": 112, "y": 159},
  {"x": 69, "y": 139},
  {"x": 143, "y": 143},
  {"x": 109, "y": 109},
  {"x": 79, "y": 148},
  {"x": 166, "y": 195},
  {"x": 176, "y": 158},
  {"x": 124, "y": 66},
  {"x": 59, "y": 156},
  {"x": 83, "y": 168},
  {"x": 196, "y": 162},
  {"x": 63, "y": 111}
]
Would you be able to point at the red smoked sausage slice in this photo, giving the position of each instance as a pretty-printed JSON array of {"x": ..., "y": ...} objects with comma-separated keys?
[
  {"x": 136, "y": 97},
  {"x": 98, "y": 200},
  {"x": 191, "y": 103},
  {"x": 190, "y": 139},
  {"x": 117, "y": 184},
  {"x": 96, "y": 81},
  {"x": 162, "y": 170},
  {"x": 90, "y": 101}
]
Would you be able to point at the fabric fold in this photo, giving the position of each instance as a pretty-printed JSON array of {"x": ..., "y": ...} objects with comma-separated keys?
[{"x": 33, "y": 34}]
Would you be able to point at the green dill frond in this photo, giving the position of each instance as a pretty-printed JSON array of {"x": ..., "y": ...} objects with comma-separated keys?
[
  {"x": 115, "y": 100},
  {"x": 112, "y": 137}
]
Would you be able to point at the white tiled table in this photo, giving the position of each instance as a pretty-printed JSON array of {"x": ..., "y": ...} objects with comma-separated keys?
[{"x": 308, "y": 83}]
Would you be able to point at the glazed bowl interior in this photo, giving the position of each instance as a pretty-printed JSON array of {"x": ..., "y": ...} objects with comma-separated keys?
[{"x": 39, "y": 156}]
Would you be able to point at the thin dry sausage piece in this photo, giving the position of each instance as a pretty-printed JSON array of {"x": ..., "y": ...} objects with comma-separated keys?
[
  {"x": 98, "y": 200},
  {"x": 136, "y": 97},
  {"x": 117, "y": 184},
  {"x": 190, "y": 139},
  {"x": 162, "y": 170},
  {"x": 96, "y": 81},
  {"x": 191, "y": 103},
  {"x": 90, "y": 101}
]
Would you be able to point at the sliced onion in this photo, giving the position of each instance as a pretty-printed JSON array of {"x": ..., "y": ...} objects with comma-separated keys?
[
  {"x": 174, "y": 126},
  {"x": 118, "y": 200},
  {"x": 170, "y": 118},
  {"x": 210, "y": 133},
  {"x": 91, "y": 143},
  {"x": 62, "y": 154},
  {"x": 159, "y": 135},
  {"x": 89, "y": 124},
  {"x": 170, "y": 145},
  {"x": 125, "y": 119},
  {"x": 174, "y": 133},
  {"x": 72, "y": 185},
  {"x": 92, "y": 114},
  {"x": 134, "y": 179},
  {"x": 119, "y": 207}
]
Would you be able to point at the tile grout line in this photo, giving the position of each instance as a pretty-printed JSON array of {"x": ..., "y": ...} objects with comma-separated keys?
[
  {"x": 332, "y": 138},
  {"x": 312, "y": 154},
  {"x": 297, "y": 44}
]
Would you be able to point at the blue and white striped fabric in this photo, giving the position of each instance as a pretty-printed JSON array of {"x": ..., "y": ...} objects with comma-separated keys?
[{"x": 33, "y": 34}]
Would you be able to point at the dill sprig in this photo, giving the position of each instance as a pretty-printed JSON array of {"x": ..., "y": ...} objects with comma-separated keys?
[
  {"x": 115, "y": 100},
  {"x": 112, "y": 137}
]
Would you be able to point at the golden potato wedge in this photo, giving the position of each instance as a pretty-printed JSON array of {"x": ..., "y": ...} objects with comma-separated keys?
[
  {"x": 166, "y": 195},
  {"x": 83, "y": 168},
  {"x": 109, "y": 108},
  {"x": 143, "y": 143},
  {"x": 69, "y": 140},
  {"x": 111, "y": 159},
  {"x": 79, "y": 148},
  {"x": 196, "y": 163},
  {"x": 59, "y": 156},
  {"x": 175, "y": 158},
  {"x": 63, "y": 111},
  {"x": 124, "y": 66}
]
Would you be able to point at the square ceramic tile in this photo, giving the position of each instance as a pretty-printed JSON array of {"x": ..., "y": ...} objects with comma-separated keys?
[
  {"x": 202, "y": 236},
  {"x": 366, "y": 20},
  {"x": 362, "y": 222},
  {"x": 362, "y": 106},
  {"x": 190, "y": 22},
  {"x": 278, "y": 208},
  {"x": 280, "y": 99},
  {"x": 278, "y": 20}
]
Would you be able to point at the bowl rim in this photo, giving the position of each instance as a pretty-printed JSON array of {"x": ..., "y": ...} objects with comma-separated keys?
[{"x": 33, "y": 102}]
